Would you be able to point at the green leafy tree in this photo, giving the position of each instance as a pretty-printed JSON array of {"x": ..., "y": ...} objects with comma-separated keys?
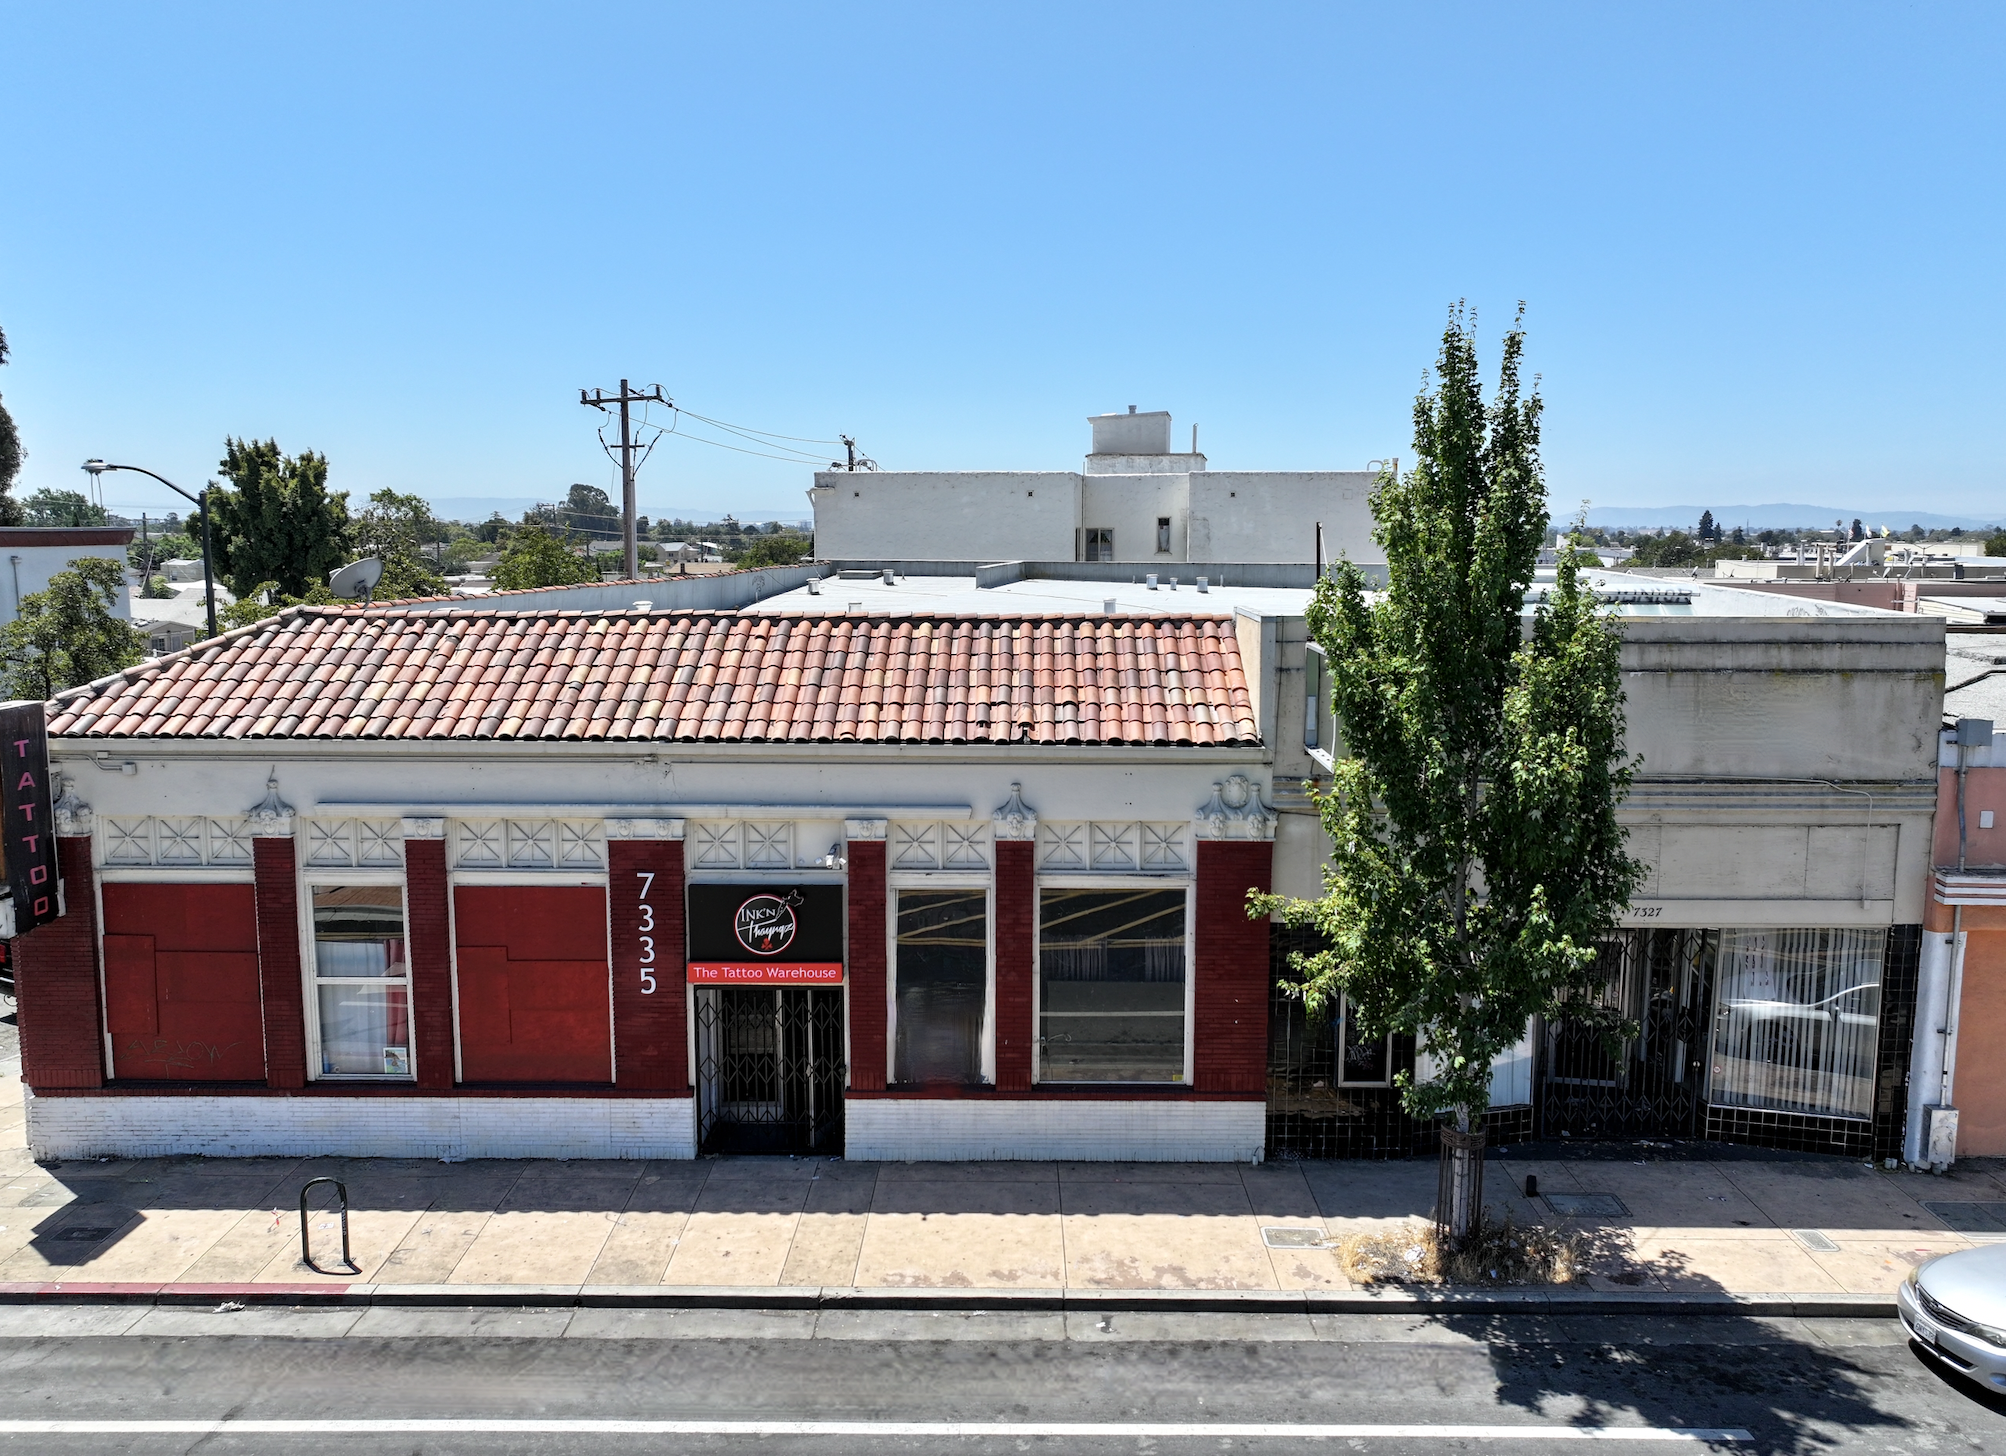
[
  {"x": 396, "y": 528},
  {"x": 162, "y": 546},
  {"x": 11, "y": 456},
  {"x": 1673, "y": 549},
  {"x": 1708, "y": 530},
  {"x": 69, "y": 633},
  {"x": 265, "y": 600},
  {"x": 1475, "y": 853},
  {"x": 588, "y": 508},
  {"x": 276, "y": 521},
  {"x": 1995, "y": 543},
  {"x": 64, "y": 508},
  {"x": 777, "y": 551},
  {"x": 534, "y": 557}
]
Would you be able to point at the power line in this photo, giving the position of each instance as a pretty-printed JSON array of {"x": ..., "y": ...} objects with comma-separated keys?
[
  {"x": 762, "y": 454},
  {"x": 748, "y": 430}
]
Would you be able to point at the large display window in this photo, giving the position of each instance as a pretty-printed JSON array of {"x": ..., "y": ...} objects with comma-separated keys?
[
  {"x": 1112, "y": 971},
  {"x": 941, "y": 987},
  {"x": 1797, "y": 1020}
]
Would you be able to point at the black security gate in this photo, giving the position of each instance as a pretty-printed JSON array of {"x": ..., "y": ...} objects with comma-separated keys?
[
  {"x": 770, "y": 1069},
  {"x": 1651, "y": 1083}
]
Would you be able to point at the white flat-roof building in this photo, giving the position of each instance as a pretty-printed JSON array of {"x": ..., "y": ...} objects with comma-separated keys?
[
  {"x": 36, "y": 553},
  {"x": 1136, "y": 500}
]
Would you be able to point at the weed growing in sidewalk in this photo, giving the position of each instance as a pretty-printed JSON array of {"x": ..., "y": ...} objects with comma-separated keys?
[{"x": 1497, "y": 1253}]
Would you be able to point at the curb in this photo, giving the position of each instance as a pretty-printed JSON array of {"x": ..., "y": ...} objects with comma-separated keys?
[{"x": 1435, "y": 1303}]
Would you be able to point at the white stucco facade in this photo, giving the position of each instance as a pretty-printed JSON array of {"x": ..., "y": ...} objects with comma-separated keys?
[
  {"x": 33, "y": 554},
  {"x": 1136, "y": 501}
]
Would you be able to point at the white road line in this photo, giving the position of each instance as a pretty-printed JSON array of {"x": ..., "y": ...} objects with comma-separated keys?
[{"x": 1157, "y": 1430}]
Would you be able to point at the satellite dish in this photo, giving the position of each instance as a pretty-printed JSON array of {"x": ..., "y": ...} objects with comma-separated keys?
[{"x": 357, "y": 579}]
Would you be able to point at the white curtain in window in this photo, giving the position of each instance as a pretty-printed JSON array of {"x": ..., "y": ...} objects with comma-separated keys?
[
  {"x": 1797, "y": 1019},
  {"x": 365, "y": 1031}
]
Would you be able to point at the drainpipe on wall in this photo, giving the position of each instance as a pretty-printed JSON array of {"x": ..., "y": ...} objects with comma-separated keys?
[
  {"x": 1930, "y": 1043},
  {"x": 16, "y": 562},
  {"x": 1952, "y": 1003}
]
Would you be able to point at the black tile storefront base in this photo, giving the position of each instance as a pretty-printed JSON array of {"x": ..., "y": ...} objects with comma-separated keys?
[{"x": 1792, "y": 1131}]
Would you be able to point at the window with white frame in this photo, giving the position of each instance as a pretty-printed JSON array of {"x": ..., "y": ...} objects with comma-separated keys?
[
  {"x": 1111, "y": 980},
  {"x": 1362, "y": 1061},
  {"x": 941, "y": 985},
  {"x": 362, "y": 981},
  {"x": 1097, "y": 543},
  {"x": 1319, "y": 723}
]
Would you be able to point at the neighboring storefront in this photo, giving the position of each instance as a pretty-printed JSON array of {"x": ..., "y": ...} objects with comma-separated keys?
[{"x": 1770, "y": 962}]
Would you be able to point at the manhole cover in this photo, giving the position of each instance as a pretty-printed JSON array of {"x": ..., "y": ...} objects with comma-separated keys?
[
  {"x": 1972, "y": 1218},
  {"x": 1587, "y": 1205},
  {"x": 1816, "y": 1242},
  {"x": 77, "y": 1234},
  {"x": 1292, "y": 1238}
]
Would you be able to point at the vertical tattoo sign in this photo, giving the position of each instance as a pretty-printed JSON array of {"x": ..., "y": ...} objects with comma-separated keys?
[{"x": 27, "y": 823}]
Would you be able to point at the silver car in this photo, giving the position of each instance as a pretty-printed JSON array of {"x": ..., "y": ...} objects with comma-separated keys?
[{"x": 1955, "y": 1307}]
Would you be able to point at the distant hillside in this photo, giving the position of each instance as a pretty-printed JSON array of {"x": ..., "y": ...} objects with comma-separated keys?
[
  {"x": 479, "y": 507},
  {"x": 1772, "y": 517}
]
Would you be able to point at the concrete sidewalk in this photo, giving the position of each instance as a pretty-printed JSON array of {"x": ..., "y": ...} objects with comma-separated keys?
[{"x": 1686, "y": 1229}]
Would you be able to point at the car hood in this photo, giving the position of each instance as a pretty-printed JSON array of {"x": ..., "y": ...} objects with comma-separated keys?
[{"x": 1971, "y": 1282}]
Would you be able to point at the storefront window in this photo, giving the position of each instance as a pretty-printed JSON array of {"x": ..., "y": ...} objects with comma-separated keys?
[
  {"x": 943, "y": 983},
  {"x": 1111, "y": 985},
  {"x": 1362, "y": 1061},
  {"x": 1797, "y": 1020},
  {"x": 362, "y": 981}
]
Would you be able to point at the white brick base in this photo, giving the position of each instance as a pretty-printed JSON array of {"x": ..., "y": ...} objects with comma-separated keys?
[
  {"x": 362, "y": 1127},
  {"x": 928, "y": 1130}
]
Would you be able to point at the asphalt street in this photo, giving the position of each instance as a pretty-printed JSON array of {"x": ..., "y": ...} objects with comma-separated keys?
[{"x": 143, "y": 1380}]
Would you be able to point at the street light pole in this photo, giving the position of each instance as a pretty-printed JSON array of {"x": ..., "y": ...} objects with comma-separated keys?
[{"x": 99, "y": 467}]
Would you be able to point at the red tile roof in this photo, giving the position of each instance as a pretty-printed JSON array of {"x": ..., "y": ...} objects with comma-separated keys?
[{"x": 388, "y": 673}]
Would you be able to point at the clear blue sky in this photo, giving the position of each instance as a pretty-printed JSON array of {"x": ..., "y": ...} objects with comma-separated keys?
[{"x": 1760, "y": 245}]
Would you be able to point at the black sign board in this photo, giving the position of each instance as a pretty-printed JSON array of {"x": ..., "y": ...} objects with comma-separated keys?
[
  {"x": 766, "y": 935},
  {"x": 27, "y": 823}
]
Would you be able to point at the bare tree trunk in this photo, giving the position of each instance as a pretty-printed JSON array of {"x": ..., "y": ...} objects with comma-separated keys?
[{"x": 1459, "y": 1198}]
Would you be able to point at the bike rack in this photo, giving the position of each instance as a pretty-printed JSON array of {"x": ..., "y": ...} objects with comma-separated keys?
[{"x": 306, "y": 1241}]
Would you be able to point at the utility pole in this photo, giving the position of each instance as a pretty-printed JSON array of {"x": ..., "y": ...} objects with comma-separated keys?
[{"x": 598, "y": 399}]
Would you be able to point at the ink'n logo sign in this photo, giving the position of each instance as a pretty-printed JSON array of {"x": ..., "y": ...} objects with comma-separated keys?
[
  {"x": 766, "y": 924},
  {"x": 27, "y": 830},
  {"x": 765, "y": 935}
]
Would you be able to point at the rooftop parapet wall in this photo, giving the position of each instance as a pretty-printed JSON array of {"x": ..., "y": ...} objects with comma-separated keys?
[{"x": 1850, "y": 698}]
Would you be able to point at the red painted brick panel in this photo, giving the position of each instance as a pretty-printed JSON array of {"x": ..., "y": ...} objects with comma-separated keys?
[
  {"x": 182, "y": 993},
  {"x": 273, "y": 863},
  {"x": 1230, "y": 962},
  {"x": 867, "y": 964},
  {"x": 430, "y": 946},
  {"x": 649, "y": 1041},
  {"x": 548, "y": 989},
  {"x": 1016, "y": 945},
  {"x": 56, "y": 984}
]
